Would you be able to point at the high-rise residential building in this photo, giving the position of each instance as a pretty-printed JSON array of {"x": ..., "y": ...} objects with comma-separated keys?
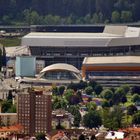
[{"x": 34, "y": 111}]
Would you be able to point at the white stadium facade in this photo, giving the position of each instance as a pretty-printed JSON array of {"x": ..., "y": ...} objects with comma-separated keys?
[{"x": 72, "y": 48}]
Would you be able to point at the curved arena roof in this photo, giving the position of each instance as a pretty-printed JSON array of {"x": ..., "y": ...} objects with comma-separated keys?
[
  {"x": 111, "y": 36},
  {"x": 60, "y": 66}
]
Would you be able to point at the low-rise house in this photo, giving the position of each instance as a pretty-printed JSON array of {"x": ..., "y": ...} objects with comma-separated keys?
[
  {"x": 132, "y": 133},
  {"x": 8, "y": 119},
  {"x": 62, "y": 118},
  {"x": 10, "y": 132}
]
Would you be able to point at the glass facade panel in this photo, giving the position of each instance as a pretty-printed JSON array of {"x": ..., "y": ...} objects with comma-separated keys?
[
  {"x": 52, "y": 54},
  {"x": 59, "y": 75}
]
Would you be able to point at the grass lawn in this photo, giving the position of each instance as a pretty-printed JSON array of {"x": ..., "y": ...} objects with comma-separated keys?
[{"x": 7, "y": 42}]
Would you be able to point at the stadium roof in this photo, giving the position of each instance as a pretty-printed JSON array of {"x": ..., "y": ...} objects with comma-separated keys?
[
  {"x": 113, "y": 60},
  {"x": 111, "y": 36},
  {"x": 60, "y": 66}
]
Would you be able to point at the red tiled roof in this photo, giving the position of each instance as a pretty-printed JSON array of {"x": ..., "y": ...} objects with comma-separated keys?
[
  {"x": 132, "y": 129},
  {"x": 14, "y": 128}
]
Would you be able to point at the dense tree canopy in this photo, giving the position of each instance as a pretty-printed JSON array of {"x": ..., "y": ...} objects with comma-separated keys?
[
  {"x": 107, "y": 94},
  {"x": 131, "y": 109},
  {"x": 136, "y": 118},
  {"x": 68, "y": 11},
  {"x": 92, "y": 119},
  {"x": 112, "y": 119},
  {"x": 74, "y": 110}
]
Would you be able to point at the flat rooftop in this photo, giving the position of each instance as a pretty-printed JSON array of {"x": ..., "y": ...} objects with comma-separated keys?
[
  {"x": 70, "y": 35},
  {"x": 111, "y": 36},
  {"x": 111, "y": 60}
]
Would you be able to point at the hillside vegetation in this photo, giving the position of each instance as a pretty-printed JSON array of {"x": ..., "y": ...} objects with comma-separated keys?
[{"x": 26, "y": 12}]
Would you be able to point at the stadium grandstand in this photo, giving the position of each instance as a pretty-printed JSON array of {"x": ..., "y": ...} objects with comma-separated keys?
[
  {"x": 71, "y": 48},
  {"x": 112, "y": 71}
]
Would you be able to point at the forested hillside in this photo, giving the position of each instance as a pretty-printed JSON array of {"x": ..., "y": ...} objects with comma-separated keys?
[{"x": 68, "y": 11}]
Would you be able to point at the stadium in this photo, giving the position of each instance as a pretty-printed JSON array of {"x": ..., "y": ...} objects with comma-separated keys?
[
  {"x": 71, "y": 48},
  {"x": 112, "y": 71}
]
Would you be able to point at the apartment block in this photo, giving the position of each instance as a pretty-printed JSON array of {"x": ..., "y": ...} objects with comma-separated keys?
[{"x": 34, "y": 111}]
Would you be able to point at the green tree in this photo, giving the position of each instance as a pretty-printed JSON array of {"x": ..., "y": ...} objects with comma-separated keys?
[
  {"x": 98, "y": 89},
  {"x": 12, "y": 109},
  {"x": 6, "y": 105},
  {"x": 112, "y": 119},
  {"x": 55, "y": 90},
  {"x": 40, "y": 136},
  {"x": 79, "y": 21},
  {"x": 117, "y": 96},
  {"x": 79, "y": 94},
  {"x": 59, "y": 102},
  {"x": 136, "y": 118},
  {"x": 82, "y": 84},
  {"x": 77, "y": 119},
  {"x": 57, "y": 20},
  {"x": 126, "y": 88},
  {"x": 52, "y": 20},
  {"x": 74, "y": 110},
  {"x": 92, "y": 119},
  {"x": 124, "y": 99},
  {"x": 89, "y": 90},
  {"x": 27, "y": 15},
  {"x": 68, "y": 20},
  {"x": 107, "y": 121},
  {"x": 131, "y": 109},
  {"x": 69, "y": 12},
  {"x": 107, "y": 94},
  {"x": 92, "y": 83},
  {"x": 68, "y": 94},
  {"x": 74, "y": 100},
  {"x": 126, "y": 16},
  {"x": 136, "y": 98},
  {"x": 34, "y": 18},
  {"x": 135, "y": 89},
  {"x": 91, "y": 106},
  {"x": 61, "y": 90},
  {"x": 105, "y": 104},
  {"x": 115, "y": 18},
  {"x": 120, "y": 91},
  {"x": 6, "y": 20},
  {"x": 95, "y": 18},
  {"x": 101, "y": 16},
  {"x": 112, "y": 89},
  {"x": 106, "y": 117},
  {"x": 87, "y": 18},
  {"x": 73, "y": 86}
]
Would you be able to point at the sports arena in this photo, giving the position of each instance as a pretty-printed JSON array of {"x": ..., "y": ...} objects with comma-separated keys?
[
  {"x": 72, "y": 48},
  {"x": 112, "y": 71}
]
